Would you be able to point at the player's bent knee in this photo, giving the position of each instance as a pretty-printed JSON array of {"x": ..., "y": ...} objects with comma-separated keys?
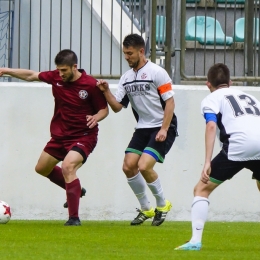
[
  {"x": 126, "y": 169},
  {"x": 258, "y": 184},
  {"x": 142, "y": 168},
  {"x": 204, "y": 190},
  {"x": 198, "y": 191},
  {"x": 129, "y": 171},
  {"x": 68, "y": 168},
  {"x": 41, "y": 170}
]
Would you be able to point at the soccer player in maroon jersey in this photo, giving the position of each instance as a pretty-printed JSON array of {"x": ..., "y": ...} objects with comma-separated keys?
[{"x": 79, "y": 106}]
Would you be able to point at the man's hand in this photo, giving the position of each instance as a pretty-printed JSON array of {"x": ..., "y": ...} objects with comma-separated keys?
[
  {"x": 102, "y": 85},
  {"x": 205, "y": 173},
  {"x": 3, "y": 71},
  {"x": 91, "y": 121},
  {"x": 161, "y": 135}
]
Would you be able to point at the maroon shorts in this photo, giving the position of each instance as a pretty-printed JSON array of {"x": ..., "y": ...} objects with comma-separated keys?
[{"x": 59, "y": 148}]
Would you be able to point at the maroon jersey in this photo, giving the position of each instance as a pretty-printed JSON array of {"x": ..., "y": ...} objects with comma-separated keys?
[{"x": 73, "y": 101}]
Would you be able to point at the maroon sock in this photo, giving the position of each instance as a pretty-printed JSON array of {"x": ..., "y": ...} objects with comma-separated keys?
[
  {"x": 73, "y": 191},
  {"x": 56, "y": 177}
]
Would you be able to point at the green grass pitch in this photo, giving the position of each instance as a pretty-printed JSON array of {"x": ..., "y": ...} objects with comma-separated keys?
[{"x": 20, "y": 240}]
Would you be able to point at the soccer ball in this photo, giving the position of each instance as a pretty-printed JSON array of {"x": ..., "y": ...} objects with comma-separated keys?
[{"x": 5, "y": 212}]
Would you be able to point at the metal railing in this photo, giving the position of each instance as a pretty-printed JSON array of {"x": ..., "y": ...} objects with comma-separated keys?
[
  {"x": 6, "y": 35},
  {"x": 241, "y": 55},
  {"x": 94, "y": 29}
]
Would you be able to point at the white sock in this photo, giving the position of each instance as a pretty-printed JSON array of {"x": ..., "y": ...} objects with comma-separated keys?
[
  {"x": 199, "y": 213},
  {"x": 138, "y": 185},
  {"x": 157, "y": 191}
]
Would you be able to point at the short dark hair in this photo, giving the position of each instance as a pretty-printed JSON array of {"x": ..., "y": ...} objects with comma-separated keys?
[
  {"x": 134, "y": 40},
  {"x": 218, "y": 74},
  {"x": 66, "y": 57}
]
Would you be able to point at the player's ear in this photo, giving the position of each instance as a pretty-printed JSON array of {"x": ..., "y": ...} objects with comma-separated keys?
[
  {"x": 230, "y": 83},
  {"x": 75, "y": 67},
  {"x": 208, "y": 84},
  {"x": 211, "y": 88},
  {"x": 142, "y": 51}
]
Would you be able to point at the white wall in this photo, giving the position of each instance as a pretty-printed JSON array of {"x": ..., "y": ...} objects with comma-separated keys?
[{"x": 25, "y": 112}]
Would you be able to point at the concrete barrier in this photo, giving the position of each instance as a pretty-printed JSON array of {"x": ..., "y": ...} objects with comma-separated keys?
[{"x": 25, "y": 113}]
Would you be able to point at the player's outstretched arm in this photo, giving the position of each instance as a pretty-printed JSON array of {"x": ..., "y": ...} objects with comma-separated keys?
[
  {"x": 100, "y": 115},
  {"x": 111, "y": 100},
  {"x": 27, "y": 75}
]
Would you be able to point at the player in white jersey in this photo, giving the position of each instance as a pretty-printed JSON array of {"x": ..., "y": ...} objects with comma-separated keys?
[
  {"x": 148, "y": 88},
  {"x": 237, "y": 115}
]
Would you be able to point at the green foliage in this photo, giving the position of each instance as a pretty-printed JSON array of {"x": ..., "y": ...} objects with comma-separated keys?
[{"x": 118, "y": 240}]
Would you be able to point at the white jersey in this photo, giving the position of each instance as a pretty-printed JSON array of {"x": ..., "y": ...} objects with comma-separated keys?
[
  {"x": 238, "y": 120},
  {"x": 147, "y": 90}
]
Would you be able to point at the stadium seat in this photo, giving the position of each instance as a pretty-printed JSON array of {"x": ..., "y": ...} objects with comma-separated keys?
[
  {"x": 230, "y": 1},
  {"x": 160, "y": 29},
  {"x": 239, "y": 32},
  {"x": 206, "y": 30}
]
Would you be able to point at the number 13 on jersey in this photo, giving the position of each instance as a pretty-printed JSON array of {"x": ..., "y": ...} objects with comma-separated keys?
[{"x": 239, "y": 108}]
